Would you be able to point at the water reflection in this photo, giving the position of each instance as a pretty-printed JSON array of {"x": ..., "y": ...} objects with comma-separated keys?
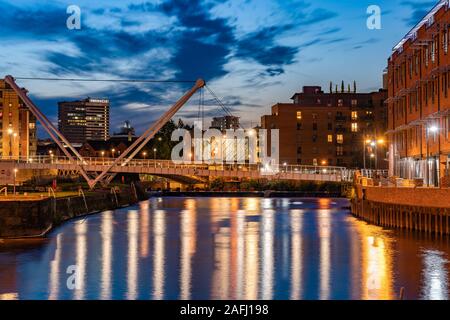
[
  {"x": 188, "y": 247},
  {"x": 435, "y": 276},
  {"x": 159, "y": 230},
  {"x": 107, "y": 254},
  {"x": 296, "y": 254},
  {"x": 246, "y": 248},
  {"x": 81, "y": 228}
]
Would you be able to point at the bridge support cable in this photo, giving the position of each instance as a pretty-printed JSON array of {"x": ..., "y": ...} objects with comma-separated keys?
[
  {"x": 150, "y": 132},
  {"x": 48, "y": 126}
]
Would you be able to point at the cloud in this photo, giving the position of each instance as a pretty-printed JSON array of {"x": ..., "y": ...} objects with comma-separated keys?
[
  {"x": 260, "y": 46},
  {"x": 419, "y": 10}
]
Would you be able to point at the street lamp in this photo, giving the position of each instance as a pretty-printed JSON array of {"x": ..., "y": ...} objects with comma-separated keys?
[
  {"x": 431, "y": 129},
  {"x": 144, "y": 154},
  {"x": 112, "y": 151},
  {"x": 14, "y": 186},
  {"x": 154, "y": 156}
]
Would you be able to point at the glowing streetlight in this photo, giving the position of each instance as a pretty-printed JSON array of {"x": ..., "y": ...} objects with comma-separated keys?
[
  {"x": 113, "y": 151},
  {"x": 433, "y": 129},
  {"x": 144, "y": 154},
  {"x": 15, "y": 175},
  {"x": 154, "y": 156}
]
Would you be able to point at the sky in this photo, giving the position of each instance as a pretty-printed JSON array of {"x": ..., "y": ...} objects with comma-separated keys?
[{"x": 252, "y": 53}]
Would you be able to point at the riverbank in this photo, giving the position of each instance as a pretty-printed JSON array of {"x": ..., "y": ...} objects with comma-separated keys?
[
  {"x": 417, "y": 209},
  {"x": 32, "y": 217},
  {"x": 247, "y": 194}
]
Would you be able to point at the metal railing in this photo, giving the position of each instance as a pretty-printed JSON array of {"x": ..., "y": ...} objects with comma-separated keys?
[{"x": 169, "y": 164}]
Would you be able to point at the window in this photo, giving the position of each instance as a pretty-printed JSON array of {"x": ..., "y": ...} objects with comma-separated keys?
[
  {"x": 314, "y": 126},
  {"x": 354, "y": 102},
  {"x": 299, "y": 150},
  {"x": 314, "y": 116},
  {"x": 330, "y": 138},
  {"x": 340, "y": 103},
  {"x": 340, "y": 138},
  {"x": 299, "y": 126},
  {"x": 433, "y": 51},
  {"x": 339, "y": 150},
  {"x": 299, "y": 115},
  {"x": 330, "y": 126},
  {"x": 354, "y": 127},
  {"x": 445, "y": 41},
  {"x": 354, "y": 115}
]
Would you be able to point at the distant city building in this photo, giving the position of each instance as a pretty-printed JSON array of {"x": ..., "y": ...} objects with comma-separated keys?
[
  {"x": 126, "y": 131},
  {"x": 83, "y": 120},
  {"x": 334, "y": 129},
  {"x": 225, "y": 123},
  {"x": 17, "y": 125},
  {"x": 419, "y": 100}
]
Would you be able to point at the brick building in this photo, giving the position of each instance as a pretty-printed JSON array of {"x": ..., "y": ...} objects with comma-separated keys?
[
  {"x": 332, "y": 128},
  {"x": 17, "y": 125},
  {"x": 419, "y": 101}
]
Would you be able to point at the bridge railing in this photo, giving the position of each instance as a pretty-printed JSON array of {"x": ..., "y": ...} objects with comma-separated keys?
[{"x": 343, "y": 173}]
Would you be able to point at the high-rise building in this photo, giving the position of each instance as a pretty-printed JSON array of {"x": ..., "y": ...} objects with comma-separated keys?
[
  {"x": 17, "y": 125},
  {"x": 83, "y": 120},
  {"x": 225, "y": 123},
  {"x": 342, "y": 128},
  {"x": 419, "y": 100}
]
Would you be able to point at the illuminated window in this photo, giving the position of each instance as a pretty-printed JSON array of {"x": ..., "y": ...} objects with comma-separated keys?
[
  {"x": 340, "y": 138},
  {"x": 340, "y": 103},
  {"x": 330, "y": 138},
  {"x": 354, "y": 127},
  {"x": 354, "y": 115},
  {"x": 354, "y": 102},
  {"x": 299, "y": 115}
]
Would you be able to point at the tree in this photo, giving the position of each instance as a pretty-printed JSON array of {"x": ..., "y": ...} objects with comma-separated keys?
[
  {"x": 354, "y": 86},
  {"x": 342, "y": 86},
  {"x": 331, "y": 87}
]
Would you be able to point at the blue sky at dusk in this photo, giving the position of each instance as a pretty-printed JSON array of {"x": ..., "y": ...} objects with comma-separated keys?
[{"x": 253, "y": 53}]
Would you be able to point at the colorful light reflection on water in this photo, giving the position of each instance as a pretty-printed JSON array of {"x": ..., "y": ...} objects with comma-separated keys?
[{"x": 226, "y": 248}]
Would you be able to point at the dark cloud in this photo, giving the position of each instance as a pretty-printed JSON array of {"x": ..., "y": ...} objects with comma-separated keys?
[
  {"x": 419, "y": 10},
  {"x": 260, "y": 46}
]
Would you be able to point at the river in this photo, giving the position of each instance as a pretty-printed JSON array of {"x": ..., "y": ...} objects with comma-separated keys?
[{"x": 225, "y": 248}]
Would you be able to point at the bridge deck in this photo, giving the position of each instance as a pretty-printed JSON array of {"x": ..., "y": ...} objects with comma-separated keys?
[{"x": 165, "y": 167}]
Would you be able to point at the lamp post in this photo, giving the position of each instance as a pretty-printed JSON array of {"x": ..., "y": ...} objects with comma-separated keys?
[
  {"x": 154, "y": 156},
  {"x": 433, "y": 129},
  {"x": 112, "y": 152},
  {"x": 103, "y": 157},
  {"x": 14, "y": 184}
]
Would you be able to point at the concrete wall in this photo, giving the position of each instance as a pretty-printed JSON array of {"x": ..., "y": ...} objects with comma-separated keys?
[
  {"x": 421, "y": 197},
  {"x": 30, "y": 218}
]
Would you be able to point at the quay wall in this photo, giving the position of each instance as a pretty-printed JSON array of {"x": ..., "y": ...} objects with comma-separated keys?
[
  {"x": 416, "y": 209},
  {"x": 36, "y": 217}
]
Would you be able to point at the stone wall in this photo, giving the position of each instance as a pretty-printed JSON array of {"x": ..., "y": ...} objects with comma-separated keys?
[
  {"x": 420, "y": 197},
  {"x": 32, "y": 218}
]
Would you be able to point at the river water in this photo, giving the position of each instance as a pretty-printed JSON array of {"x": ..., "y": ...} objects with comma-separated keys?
[{"x": 225, "y": 248}]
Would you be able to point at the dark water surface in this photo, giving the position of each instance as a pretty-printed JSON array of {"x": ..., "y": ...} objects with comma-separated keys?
[{"x": 225, "y": 248}]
